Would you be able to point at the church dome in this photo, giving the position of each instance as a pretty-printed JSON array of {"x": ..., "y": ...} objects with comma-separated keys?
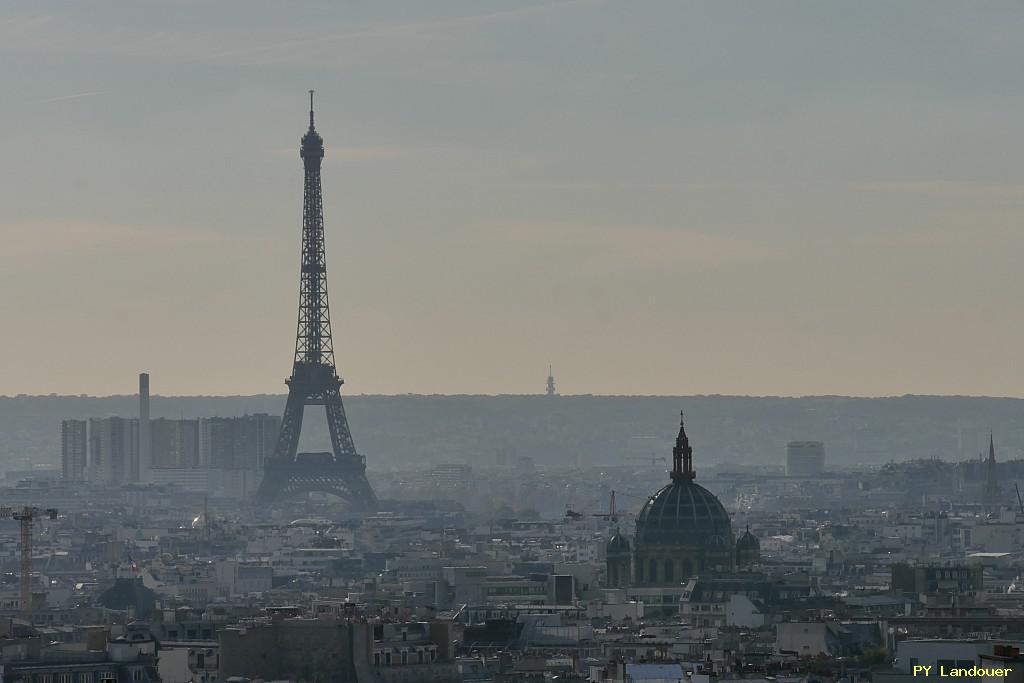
[{"x": 683, "y": 513}]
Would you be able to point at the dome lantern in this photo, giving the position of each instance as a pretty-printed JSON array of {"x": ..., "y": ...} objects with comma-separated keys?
[{"x": 682, "y": 455}]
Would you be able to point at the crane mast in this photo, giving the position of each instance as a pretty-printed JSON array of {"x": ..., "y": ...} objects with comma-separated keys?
[{"x": 25, "y": 517}]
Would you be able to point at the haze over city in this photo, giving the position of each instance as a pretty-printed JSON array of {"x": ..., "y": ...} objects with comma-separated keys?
[
  {"x": 672, "y": 341},
  {"x": 703, "y": 197}
]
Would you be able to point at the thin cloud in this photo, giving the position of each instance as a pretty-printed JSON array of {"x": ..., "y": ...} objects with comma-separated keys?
[
  {"x": 251, "y": 45},
  {"x": 963, "y": 230},
  {"x": 398, "y": 30},
  {"x": 45, "y": 238},
  {"x": 62, "y": 98},
  {"x": 948, "y": 188},
  {"x": 38, "y": 32},
  {"x": 637, "y": 244}
]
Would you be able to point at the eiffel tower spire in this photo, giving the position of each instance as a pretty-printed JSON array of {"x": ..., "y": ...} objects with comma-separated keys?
[{"x": 313, "y": 342}]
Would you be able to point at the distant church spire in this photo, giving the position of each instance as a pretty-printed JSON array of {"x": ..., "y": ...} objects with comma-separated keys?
[
  {"x": 682, "y": 455},
  {"x": 991, "y": 480},
  {"x": 551, "y": 382}
]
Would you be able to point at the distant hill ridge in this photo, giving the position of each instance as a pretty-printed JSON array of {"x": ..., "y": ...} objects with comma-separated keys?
[{"x": 584, "y": 429}]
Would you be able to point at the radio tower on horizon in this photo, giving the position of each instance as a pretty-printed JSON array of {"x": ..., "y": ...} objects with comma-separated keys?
[{"x": 551, "y": 382}]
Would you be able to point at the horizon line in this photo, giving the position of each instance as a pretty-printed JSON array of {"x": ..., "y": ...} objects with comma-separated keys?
[{"x": 537, "y": 395}]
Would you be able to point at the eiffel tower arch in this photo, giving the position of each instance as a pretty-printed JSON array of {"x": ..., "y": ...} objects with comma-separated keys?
[{"x": 314, "y": 380}]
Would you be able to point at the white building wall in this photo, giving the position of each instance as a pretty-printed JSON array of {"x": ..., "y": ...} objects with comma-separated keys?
[{"x": 742, "y": 612}]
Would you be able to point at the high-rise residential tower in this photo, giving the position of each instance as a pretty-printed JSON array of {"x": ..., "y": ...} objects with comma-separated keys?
[
  {"x": 73, "y": 449},
  {"x": 113, "y": 450}
]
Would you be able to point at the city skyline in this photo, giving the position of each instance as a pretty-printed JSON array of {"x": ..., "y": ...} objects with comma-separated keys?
[
  {"x": 805, "y": 200},
  {"x": 671, "y": 341}
]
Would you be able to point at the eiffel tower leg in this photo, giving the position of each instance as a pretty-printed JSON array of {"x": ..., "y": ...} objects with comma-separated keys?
[
  {"x": 353, "y": 486},
  {"x": 356, "y": 486},
  {"x": 271, "y": 487},
  {"x": 291, "y": 426},
  {"x": 337, "y": 423}
]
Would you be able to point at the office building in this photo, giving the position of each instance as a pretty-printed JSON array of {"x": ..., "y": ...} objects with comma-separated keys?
[
  {"x": 74, "y": 441},
  {"x": 805, "y": 458}
]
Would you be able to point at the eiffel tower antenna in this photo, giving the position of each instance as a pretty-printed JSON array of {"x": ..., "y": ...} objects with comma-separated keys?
[{"x": 315, "y": 380}]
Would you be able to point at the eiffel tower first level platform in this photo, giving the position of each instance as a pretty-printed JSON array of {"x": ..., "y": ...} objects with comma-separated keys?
[{"x": 315, "y": 380}]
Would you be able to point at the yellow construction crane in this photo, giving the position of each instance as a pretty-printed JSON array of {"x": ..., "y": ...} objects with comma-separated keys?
[{"x": 25, "y": 518}]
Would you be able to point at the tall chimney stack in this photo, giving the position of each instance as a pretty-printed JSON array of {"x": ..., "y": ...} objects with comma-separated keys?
[{"x": 145, "y": 440}]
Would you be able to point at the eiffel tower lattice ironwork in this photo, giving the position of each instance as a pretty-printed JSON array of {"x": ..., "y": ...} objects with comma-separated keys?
[{"x": 315, "y": 379}]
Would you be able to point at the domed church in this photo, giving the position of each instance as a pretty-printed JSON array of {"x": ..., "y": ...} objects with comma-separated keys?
[{"x": 682, "y": 530}]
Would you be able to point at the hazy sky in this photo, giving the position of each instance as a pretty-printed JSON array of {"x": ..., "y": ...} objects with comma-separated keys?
[{"x": 656, "y": 197}]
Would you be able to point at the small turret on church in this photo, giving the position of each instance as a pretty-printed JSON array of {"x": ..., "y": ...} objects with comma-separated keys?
[
  {"x": 748, "y": 550},
  {"x": 618, "y": 561}
]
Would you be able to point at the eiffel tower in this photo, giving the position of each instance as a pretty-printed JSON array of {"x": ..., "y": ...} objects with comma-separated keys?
[{"x": 314, "y": 379}]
